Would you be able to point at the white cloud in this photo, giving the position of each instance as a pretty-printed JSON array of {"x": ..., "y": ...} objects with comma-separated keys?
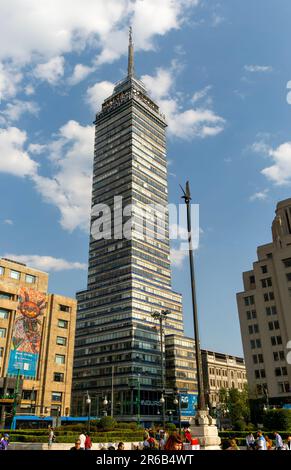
[
  {"x": 51, "y": 71},
  {"x": 259, "y": 196},
  {"x": 69, "y": 188},
  {"x": 46, "y": 263},
  {"x": 160, "y": 84},
  {"x": 16, "y": 108},
  {"x": 80, "y": 73},
  {"x": 280, "y": 172},
  {"x": 178, "y": 257},
  {"x": 8, "y": 222},
  {"x": 9, "y": 81},
  {"x": 199, "y": 95},
  {"x": 185, "y": 124},
  {"x": 13, "y": 157},
  {"x": 41, "y": 32},
  {"x": 29, "y": 90},
  {"x": 258, "y": 68},
  {"x": 97, "y": 94}
]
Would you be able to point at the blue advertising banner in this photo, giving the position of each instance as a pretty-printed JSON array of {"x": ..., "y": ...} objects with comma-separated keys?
[
  {"x": 188, "y": 404},
  {"x": 26, "y": 333}
]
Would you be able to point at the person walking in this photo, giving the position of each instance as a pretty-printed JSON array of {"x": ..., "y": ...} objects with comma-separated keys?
[
  {"x": 288, "y": 442},
  {"x": 269, "y": 443},
  {"x": 4, "y": 443},
  {"x": 278, "y": 442},
  {"x": 261, "y": 441},
  {"x": 82, "y": 439},
  {"x": 51, "y": 437},
  {"x": 250, "y": 441},
  {"x": 120, "y": 446},
  {"x": 88, "y": 442}
]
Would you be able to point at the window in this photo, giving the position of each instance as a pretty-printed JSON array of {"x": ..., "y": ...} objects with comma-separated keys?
[
  {"x": 249, "y": 315},
  {"x": 255, "y": 359},
  {"x": 4, "y": 313},
  {"x": 253, "y": 344},
  {"x": 251, "y": 329},
  {"x": 61, "y": 341},
  {"x": 62, "y": 323},
  {"x": 30, "y": 279},
  {"x": 1, "y": 271},
  {"x": 282, "y": 355},
  {"x": 280, "y": 371},
  {"x": 270, "y": 255},
  {"x": 287, "y": 262},
  {"x": 249, "y": 300},
  {"x": 256, "y": 328},
  {"x": 271, "y": 325},
  {"x": 276, "y": 325},
  {"x": 288, "y": 276},
  {"x": 5, "y": 295},
  {"x": 254, "y": 314},
  {"x": 258, "y": 343},
  {"x": 252, "y": 279},
  {"x": 266, "y": 297},
  {"x": 279, "y": 339},
  {"x": 274, "y": 310},
  {"x": 283, "y": 387},
  {"x": 57, "y": 396},
  {"x": 15, "y": 275},
  {"x": 266, "y": 282},
  {"x": 1, "y": 352},
  {"x": 64, "y": 308},
  {"x": 60, "y": 359},
  {"x": 58, "y": 377},
  {"x": 271, "y": 295},
  {"x": 2, "y": 332},
  {"x": 276, "y": 356},
  {"x": 261, "y": 358},
  {"x": 264, "y": 269}
]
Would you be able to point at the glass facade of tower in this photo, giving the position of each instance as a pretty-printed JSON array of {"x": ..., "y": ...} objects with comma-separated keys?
[{"x": 117, "y": 341}]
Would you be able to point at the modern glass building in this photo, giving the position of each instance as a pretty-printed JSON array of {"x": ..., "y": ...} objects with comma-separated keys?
[{"x": 117, "y": 350}]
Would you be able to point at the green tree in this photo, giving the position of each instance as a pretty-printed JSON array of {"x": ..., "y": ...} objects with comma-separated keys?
[
  {"x": 277, "y": 420},
  {"x": 237, "y": 403}
]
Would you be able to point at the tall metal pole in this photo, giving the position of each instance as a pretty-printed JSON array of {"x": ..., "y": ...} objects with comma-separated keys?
[
  {"x": 201, "y": 397},
  {"x": 112, "y": 392},
  {"x": 163, "y": 376}
]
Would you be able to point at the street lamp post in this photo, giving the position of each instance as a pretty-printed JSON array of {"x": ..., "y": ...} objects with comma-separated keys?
[
  {"x": 177, "y": 402},
  {"x": 161, "y": 316},
  {"x": 88, "y": 402},
  {"x": 105, "y": 403},
  {"x": 201, "y": 398}
]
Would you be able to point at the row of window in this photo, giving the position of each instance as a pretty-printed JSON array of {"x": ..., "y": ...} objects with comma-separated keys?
[
  {"x": 275, "y": 340},
  {"x": 283, "y": 387},
  {"x": 16, "y": 275}
]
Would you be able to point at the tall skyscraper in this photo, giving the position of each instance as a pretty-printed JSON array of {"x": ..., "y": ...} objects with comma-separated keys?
[
  {"x": 264, "y": 312},
  {"x": 117, "y": 350}
]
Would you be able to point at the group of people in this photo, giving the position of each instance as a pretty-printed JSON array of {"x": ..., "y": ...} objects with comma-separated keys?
[
  {"x": 163, "y": 441},
  {"x": 4, "y": 442},
  {"x": 81, "y": 444},
  {"x": 261, "y": 442}
]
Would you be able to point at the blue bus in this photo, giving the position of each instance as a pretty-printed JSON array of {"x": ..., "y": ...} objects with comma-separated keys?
[{"x": 42, "y": 422}]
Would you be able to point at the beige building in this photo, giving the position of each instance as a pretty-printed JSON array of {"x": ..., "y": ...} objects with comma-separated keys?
[
  {"x": 264, "y": 311},
  {"x": 221, "y": 371},
  {"x": 37, "y": 332}
]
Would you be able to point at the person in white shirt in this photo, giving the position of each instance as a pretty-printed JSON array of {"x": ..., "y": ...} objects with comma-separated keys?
[
  {"x": 82, "y": 438},
  {"x": 279, "y": 441},
  {"x": 261, "y": 442},
  {"x": 250, "y": 441}
]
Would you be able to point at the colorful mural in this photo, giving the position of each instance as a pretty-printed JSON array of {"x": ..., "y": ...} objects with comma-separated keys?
[{"x": 26, "y": 334}]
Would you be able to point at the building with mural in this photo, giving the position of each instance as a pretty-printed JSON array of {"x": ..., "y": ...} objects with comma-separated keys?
[{"x": 37, "y": 332}]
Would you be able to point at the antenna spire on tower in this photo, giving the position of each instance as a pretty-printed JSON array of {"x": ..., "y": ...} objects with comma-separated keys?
[{"x": 130, "y": 68}]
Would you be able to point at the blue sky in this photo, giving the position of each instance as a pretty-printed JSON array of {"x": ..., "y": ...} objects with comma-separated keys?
[{"x": 219, "y": 71}]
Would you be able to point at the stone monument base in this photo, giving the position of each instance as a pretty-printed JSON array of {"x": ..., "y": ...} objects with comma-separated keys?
[{"x": 203, "y": 427}]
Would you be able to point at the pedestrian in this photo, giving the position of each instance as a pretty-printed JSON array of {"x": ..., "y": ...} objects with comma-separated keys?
[
  {"x": 261, "y": 441},
  {"x": 4, "y": 443},
  {"x": 278, "y": 442},
  {"x": 88, "y": 442},
  {"x": 162, "y": 442},
  {"x": 269, "y": 443},
  {"x": 51, "y": 437},
  {"x": 250, "y": 441},
  {"x": 120, "y": 446},
  {"x": 174, "y": 442},
  {"x": 77, "y": 445},
  {"x": 82, "y": 438},
  {"x": 233, "y": 445},
  {"x": 187, "y": 435},
  {"x": 288, "y": 443}
]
